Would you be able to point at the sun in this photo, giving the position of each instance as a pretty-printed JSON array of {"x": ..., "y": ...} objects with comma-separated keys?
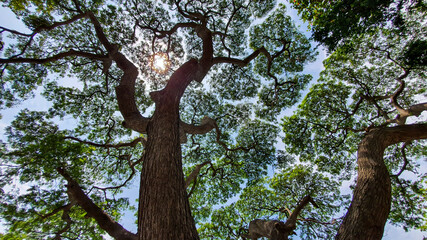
[{"x": 160, "y": 62}]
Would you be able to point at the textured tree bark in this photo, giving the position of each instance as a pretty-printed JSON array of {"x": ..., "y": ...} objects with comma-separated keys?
[
  {"x": 164, "y": 208},
  {"x": 370, "y": 206}
]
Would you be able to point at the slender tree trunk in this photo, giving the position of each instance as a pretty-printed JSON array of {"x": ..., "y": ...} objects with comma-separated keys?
[
  {"x": 370, "y": 206},
  {"x": 164, "y": 208}
]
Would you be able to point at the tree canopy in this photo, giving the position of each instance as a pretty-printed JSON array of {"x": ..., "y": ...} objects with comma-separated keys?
[{"x": 200, "y": 127}]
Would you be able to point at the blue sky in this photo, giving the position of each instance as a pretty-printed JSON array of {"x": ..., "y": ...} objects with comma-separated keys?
[{"x": 8, "y": 20}]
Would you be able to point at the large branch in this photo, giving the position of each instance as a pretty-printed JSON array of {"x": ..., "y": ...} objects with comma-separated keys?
[
  {"x": 417, "y": 109},
  {"x": 125, "y": 91},
  {"x": 369, "y": 209},
  {"x": 163, "y": 33},
  {"x": 193, "y": 175},
  {"x": 206, "y": 125},
  {"x": 414, "y": 110},
  {"x": 119, "y": 145},
  {"x": 69, "y": 53},
  {"x": 104, "y": 221},
  {"x": 262, "y": 50},
  {"x": 242, "y": 62}
]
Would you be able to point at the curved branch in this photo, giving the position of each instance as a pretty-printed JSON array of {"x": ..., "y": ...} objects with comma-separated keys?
[
  {"x": 224, "y": 145},
  {"x": 224, "y": 34},
  {"x": 47, "y": 28},
  {"x": 244, "y": 62},
  {"x": 55, "y": 211},
  {"x": 414, "y": 110},
  {"x": 3, "y": 29},
  {"x": 417, "y": 109},
  {"x": 274, "y": 229},
  {"x": 397, "y": 93},
  {"x": 41, "y": 29},
  {"x": 104, "y": 221},
  {"x": 206, "y": 126},
  {"x": 66, "y": 217},
  {"x": 132, "y": 166}
]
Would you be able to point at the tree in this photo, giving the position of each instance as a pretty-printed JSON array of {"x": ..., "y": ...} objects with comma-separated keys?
[
  {"x": 369, "y": 90},
  {"x": 73, "y": 175}
]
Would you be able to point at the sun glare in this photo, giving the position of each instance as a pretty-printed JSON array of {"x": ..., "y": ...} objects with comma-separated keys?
[{"x": 160, "y": 62}]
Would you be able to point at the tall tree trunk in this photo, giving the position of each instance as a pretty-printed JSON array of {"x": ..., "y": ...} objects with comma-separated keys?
[
  {"x": 164, "y": 208},
  {"x": 370, "y": 206}
]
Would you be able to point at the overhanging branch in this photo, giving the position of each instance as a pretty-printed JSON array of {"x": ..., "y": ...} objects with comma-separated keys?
[{"x": 206, "y": 125}]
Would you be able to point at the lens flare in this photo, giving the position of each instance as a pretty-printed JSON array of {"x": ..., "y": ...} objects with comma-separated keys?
[{"x": 160, "y": 62}]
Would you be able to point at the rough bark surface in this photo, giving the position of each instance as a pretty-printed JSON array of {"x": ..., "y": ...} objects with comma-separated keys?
[
  {"x": 370, "y": 206},
  {"x": 164, "y": 207}
]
